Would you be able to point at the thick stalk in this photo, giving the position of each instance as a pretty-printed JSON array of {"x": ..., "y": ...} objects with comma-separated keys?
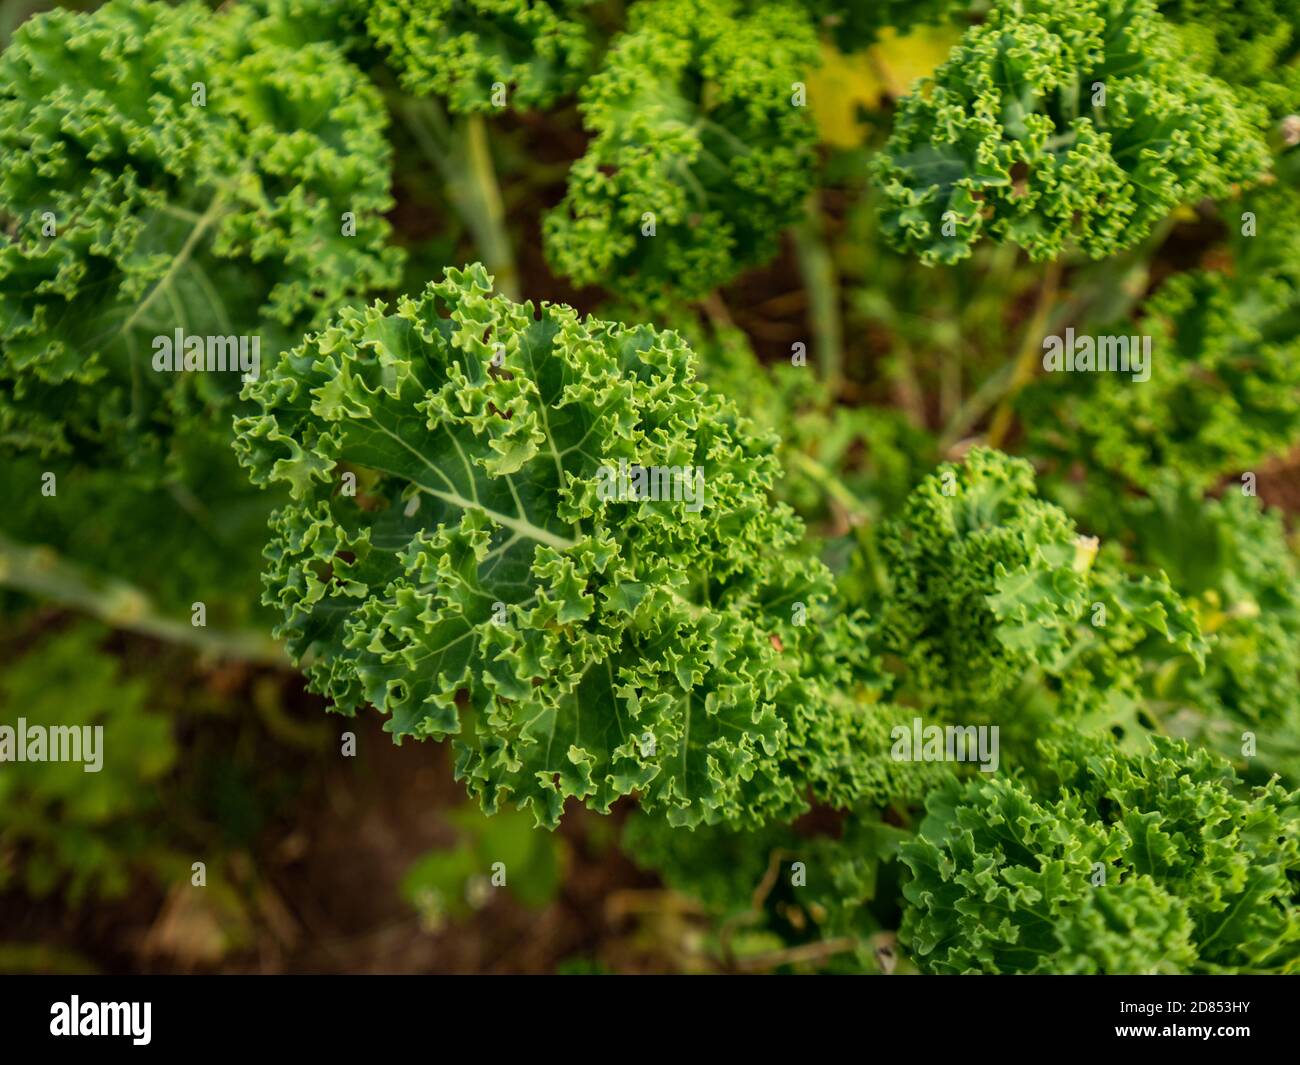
[
  {"x": 822, "y": 285},
  {"x": 40, "y": 571},
  {"x": 906, "y": 385},
  {"x": 835, "y": 489},
  {"x": 485, "y": 208},
  {"x": 949, "y": 384},
  {"x": 1106, "y": 291},
  {"x": 856, "y": 512},
  {"x": 459, "y": 148},
  {"x": 1027, "y": 359},
  {"x": 974, "y": 408},
  {"x": 804, "y": 952}
]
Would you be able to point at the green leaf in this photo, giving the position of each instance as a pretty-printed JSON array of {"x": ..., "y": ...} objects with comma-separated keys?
[
  {"x": 580, "y": 644},
  {"x": 1110, "y": 863},
  {"x": 699, "y": 153},
  {"x": 1011, "y": 136},
  {"x": 133, "y": 207}
]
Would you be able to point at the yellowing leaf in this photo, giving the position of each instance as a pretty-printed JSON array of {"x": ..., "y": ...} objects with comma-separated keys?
[{"x": 867, "y": 79}]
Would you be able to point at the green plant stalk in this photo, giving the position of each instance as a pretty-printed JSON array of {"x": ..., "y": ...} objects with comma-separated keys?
[
  {"x": 1100, "y": 295},
  {"x": 40, "y": 571},
  {"x": 907, "y": 392},
  {"x": 488, "y": 208},
  {"x": 822, "y": 284},
  {"x": 975, "y": 407},
  {"x": 459, "y": 148},
  {"x": 831, "y": 485},
  {"x": 949, "y": 384},
  {"x": 804, "y": 953},
  {"x": 858, "y": 515},
  {"x": 1027, "y": 359}
]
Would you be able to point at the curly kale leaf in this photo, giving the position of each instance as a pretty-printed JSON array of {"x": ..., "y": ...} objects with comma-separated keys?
[
  {"x": 461, "y": 50},
  {"x": 133, "y": 206},
  {"x": 1231, "y": 558},
  {"x": 1116, "y": 863},
  {"x": 1224, "y": 387},
  {"x": 989, "y": 582},
  {"x": 877, "y": 453},
  {"x": 1254, "y": 45},
  {"x": 341, "y": 22},
  {"x": 1055, "y": 124},
  {"x": 700, "y": 152},
  {"x": 490, "y": 579}
]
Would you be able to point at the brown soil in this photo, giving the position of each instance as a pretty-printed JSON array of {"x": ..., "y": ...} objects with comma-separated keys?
[{"x": 317, "y": 890}]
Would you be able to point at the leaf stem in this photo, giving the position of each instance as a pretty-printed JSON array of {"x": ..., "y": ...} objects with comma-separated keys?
[
  {"x": 40, "y": 571},
  {"x": 459, "y": 148},
  {"x": 804, "y": 952},
  {"x": 1027, "y": 359},
  {"x": 821, "y": 282},
  {"x": 858, "y": 515},
  {"x": 832, "y": 486},
  {"x": 974, "y": 407}
]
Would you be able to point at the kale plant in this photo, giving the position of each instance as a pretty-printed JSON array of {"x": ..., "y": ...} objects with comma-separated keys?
[{"x": 656, "y": 403}]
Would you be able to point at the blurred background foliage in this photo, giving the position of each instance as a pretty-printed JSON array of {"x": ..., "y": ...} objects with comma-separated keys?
[{"x": 318, "y": 859}]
